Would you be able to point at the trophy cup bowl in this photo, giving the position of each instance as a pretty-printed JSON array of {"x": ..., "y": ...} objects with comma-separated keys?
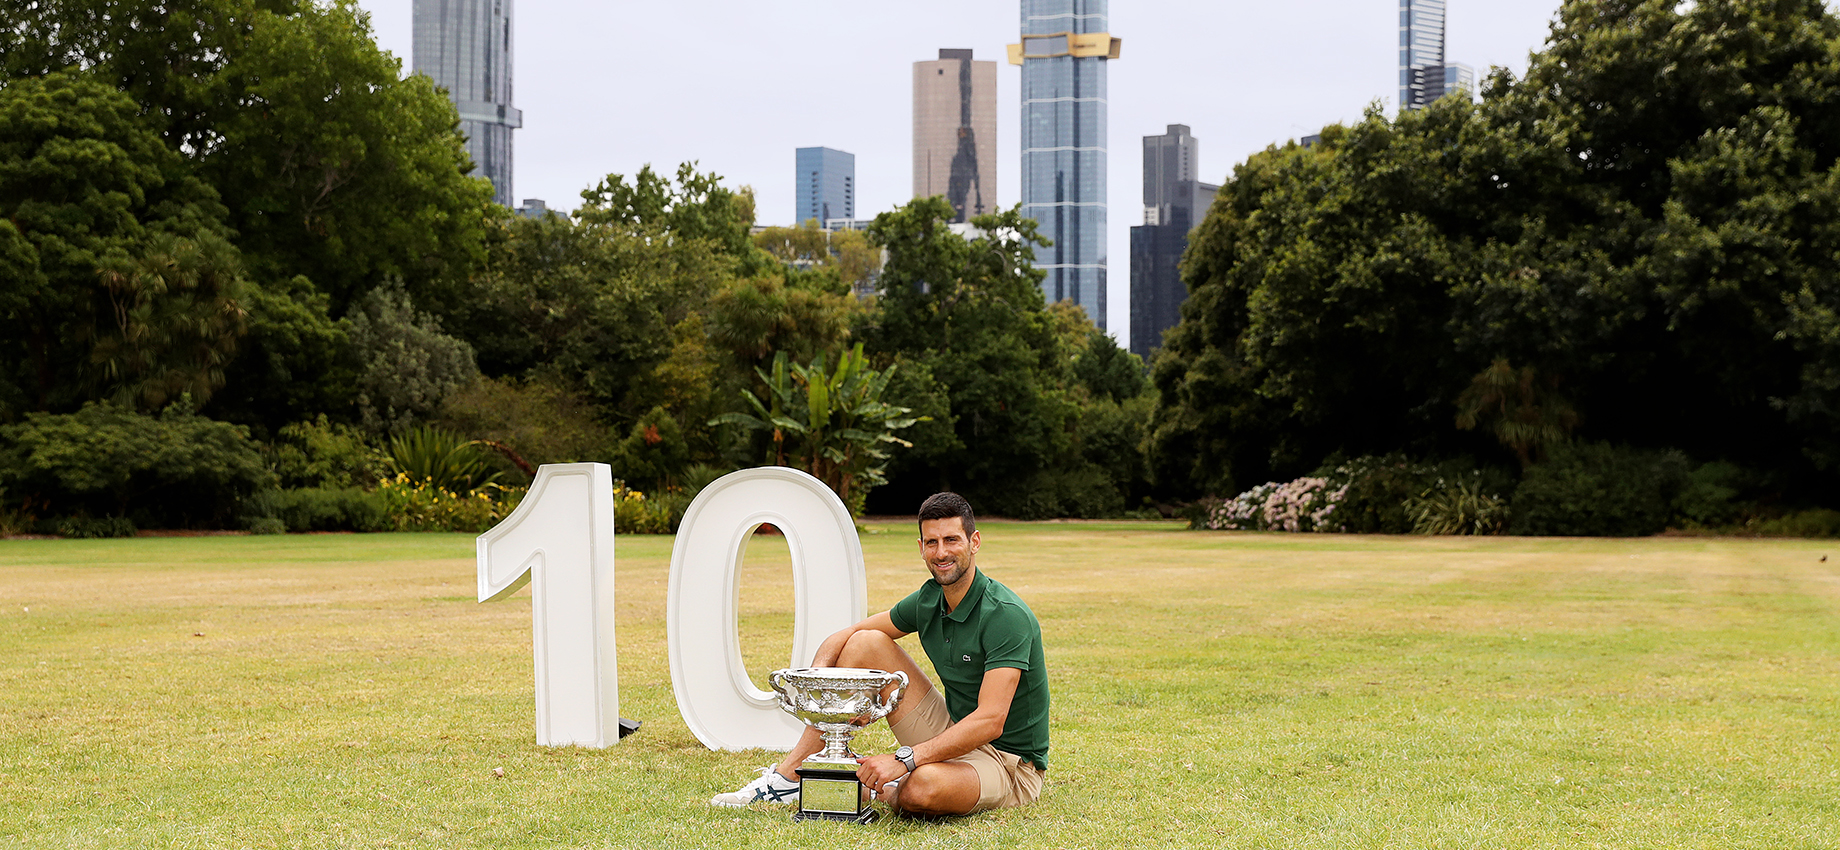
[{"x": 837, "y": 701}]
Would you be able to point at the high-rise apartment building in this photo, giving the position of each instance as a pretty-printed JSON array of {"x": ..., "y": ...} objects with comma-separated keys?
[
  {"x": 465, "y": 47},
  {"x": 1424, "y": 76},
  {"x": 955, "y": 132},
  {"x": 1174, "y": 202},
  {"x": 1063, "y": 54},
  {"x": 826, "y": 185}
]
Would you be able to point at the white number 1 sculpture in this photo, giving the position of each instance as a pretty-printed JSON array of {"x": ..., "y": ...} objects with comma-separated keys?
[{"x": 560, "y": 541}]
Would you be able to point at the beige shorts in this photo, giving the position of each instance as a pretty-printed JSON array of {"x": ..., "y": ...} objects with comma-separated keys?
[{"x": 1004, "y": 779}]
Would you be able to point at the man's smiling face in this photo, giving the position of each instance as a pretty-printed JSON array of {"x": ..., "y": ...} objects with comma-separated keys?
[{"x": 950, "y": 554}]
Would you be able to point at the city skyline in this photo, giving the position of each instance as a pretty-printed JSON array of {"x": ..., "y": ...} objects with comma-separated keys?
[
  {"x": 1175, "y": 198},
  {"x": 737, "y": 110},
  {"x": 826, "y": 180}
]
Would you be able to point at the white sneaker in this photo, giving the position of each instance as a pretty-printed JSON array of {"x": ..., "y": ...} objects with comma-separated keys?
[{"x": 768, "y": 787}]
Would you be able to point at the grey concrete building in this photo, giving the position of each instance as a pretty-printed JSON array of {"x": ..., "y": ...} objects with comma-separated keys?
[
  {"x": 955, "y": 132},
  {"x": 1174, "y": 202},
  {"x": 465, "y": 47}
]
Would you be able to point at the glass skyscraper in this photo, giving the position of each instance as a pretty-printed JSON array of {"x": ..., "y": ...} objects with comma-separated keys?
[
  {"x": 826, "y": 181},
  {"x": 465, "y": 47},
  {"x": 1423, "y": 74},
  {"x": 1065, "y": 45}
]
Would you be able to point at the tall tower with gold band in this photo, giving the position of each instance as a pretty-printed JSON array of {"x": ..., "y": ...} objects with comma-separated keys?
[
  {"x": 1065, "y": 45},
  {"x": 465, "y": 47}
]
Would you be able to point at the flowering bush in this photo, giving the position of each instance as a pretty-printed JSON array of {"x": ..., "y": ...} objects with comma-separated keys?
[
  {"x": 1306, "y": 504},
  {"x": 416, "y": 505},
  {"x": 634, "y": 513}
]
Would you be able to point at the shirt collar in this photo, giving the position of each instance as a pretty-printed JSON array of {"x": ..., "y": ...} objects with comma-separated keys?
[{"x": 971, "y": 598}]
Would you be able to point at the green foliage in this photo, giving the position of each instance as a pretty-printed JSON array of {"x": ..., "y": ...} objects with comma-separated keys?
[
  {"x": 1818, "y": 522},
  {"x": 89, "y": 528},
  {"x": 697, "y": 208},
  {"x": 295, "y": 362},
  {"x": 174, "y": 470},
  {"x": 654, "y": 453},
  {"x": 1597, "y": 489},
  {"x": 1525, "y": 413},
  {"x": 317, "y": 509},
  {"x": 117, "y": 277},
  {"x": 323, "y": 454},
  {"x": 543, "y": 421},
  {"x": 1646, "y": 222},
  {"x": 1461, "y": 506},
  {"x": 1710, "y": 497},
  {"x": 635, "y": 512},
  {"x": 409, "y": 364},
  {"x": 971, "y": 312},
  {"x": 1378, "y": 490},
  {"x": 414, "y": 504},
  {"x": 830, "y": 423},
  {"x": 440, "y": 459}
]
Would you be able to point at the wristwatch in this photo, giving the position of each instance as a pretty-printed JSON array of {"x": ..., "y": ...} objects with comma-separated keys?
[{"x": 906, "y": 756}]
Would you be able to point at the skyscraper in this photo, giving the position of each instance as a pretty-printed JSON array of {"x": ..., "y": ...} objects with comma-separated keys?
[
  {"x": 826, "y": 181},
  {"x": 1063, "y": 53},
  {"x": 1423, "y": 74},
  {"x": 465, "y": 47},
  {"x": 1174, "y": 202},
  {"x": 955, "y": 132}
]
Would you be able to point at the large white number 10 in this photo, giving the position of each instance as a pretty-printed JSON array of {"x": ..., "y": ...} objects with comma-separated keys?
[{"x": 561, "y": 540}]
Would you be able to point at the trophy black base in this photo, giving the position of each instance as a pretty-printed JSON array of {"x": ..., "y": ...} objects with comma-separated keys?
[{"x": 831, "y": 793}]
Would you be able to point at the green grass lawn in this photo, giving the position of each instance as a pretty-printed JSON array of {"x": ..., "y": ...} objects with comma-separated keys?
[{"x": 1210, "y": 690}]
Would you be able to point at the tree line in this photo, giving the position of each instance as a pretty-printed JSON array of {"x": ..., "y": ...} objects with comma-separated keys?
[{"x": 235, "y": 218}]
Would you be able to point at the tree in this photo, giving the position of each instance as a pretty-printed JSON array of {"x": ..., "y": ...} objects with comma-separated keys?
[
  {"x": 410, "y": 366},
  {"x": 330, "y": 163},
  {"x": 832, "y": 424},
  {"x": 120, "y": 280},
  {"x": 1646, "y": 219}
]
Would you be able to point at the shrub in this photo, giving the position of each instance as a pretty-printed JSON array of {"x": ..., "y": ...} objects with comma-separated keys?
[
  {"x": 1085, "y": 490},
  {"x": 441, "y": 459},
  {"x": 325, "y": 454},
  {"x": 83, "y": 528},
  {"x": 411, "y": 504},
  {"x": 1460, "y": 506},
  {"x": 319, "y": 509},
  {"x": 1819, "y": 522},
  {"x": 177, "y": 469},
  {"x": 267, "y": 525},
  {"x": 1709, "y": 495},
  {"x": 409, "y": 364},
  {"x": 634, "y": 513},
  {"x": 1595, "y": 489},
  {"x": 1305, "y": 504},
  {"x": 542, "y": 421}
]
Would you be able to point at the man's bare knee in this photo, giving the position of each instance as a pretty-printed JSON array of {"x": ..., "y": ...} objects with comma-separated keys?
[{"x": 866, "y": 645}]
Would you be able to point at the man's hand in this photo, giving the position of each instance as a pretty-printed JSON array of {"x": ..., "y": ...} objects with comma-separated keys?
[{"x": 879, "y": 770}]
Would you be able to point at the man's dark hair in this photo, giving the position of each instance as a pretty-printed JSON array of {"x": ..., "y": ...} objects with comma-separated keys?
[{"x": 944, "y": 505}]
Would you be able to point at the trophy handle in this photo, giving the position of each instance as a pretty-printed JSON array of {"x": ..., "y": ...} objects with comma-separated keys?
[
  {"x": 776, "y": 680},
  {"x": 898, "y": 693}
]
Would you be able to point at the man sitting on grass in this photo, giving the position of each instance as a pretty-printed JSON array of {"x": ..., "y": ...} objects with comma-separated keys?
[{"x": 984, "y": 743}]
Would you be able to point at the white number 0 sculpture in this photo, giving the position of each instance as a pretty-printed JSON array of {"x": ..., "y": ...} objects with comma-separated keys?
[
  {"x": 719, "y": 703},
  {"x": 560, "y": 539}
]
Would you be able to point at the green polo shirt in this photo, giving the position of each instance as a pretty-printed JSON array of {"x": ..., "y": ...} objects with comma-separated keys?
[{"x": 991, "y": 628}]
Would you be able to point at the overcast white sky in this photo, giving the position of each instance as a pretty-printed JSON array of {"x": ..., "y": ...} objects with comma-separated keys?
[{"x": 737, "y": 86}]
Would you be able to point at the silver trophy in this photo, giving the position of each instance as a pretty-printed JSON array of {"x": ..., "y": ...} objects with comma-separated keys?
[{"x": 838, "y": 701}]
